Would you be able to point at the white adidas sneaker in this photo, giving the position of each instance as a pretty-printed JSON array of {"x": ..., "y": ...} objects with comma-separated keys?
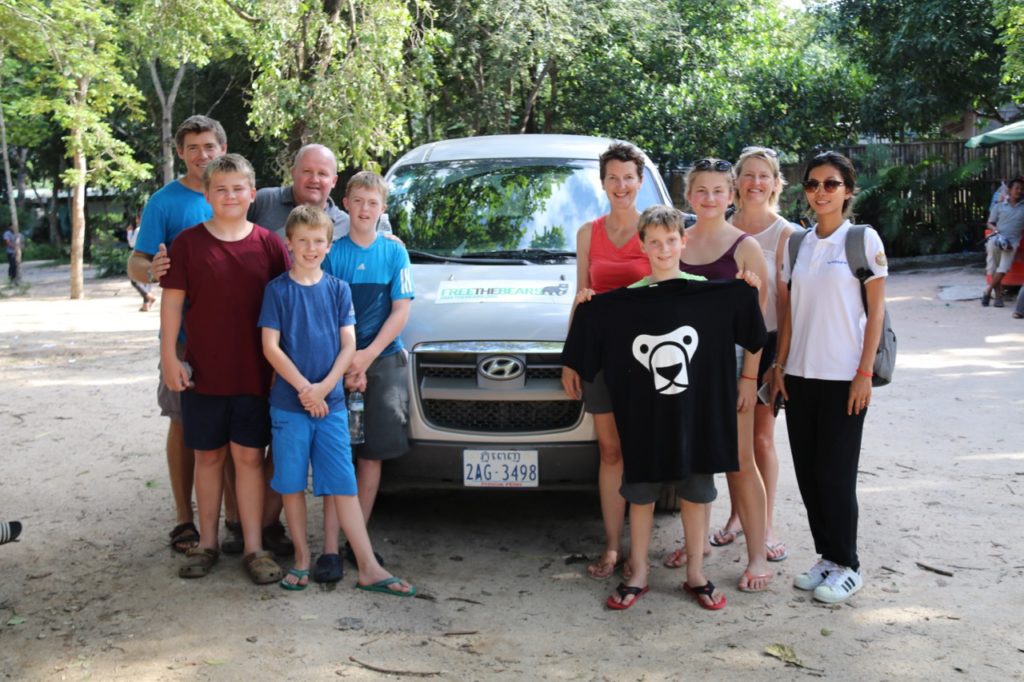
[
  {"x": 815, "y": 575},
  {"x": 840, "y": 584}
]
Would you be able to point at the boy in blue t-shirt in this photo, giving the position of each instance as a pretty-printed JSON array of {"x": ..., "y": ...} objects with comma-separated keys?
[
  {"x": 379, "y": 272},
  {"x": 310, "y": 340}
]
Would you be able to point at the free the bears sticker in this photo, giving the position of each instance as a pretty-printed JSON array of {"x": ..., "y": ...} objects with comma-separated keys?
[{"x": 504, "y": 291}]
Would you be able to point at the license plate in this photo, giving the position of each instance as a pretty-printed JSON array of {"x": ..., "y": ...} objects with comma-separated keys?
[{"x": 500, "y": 468}]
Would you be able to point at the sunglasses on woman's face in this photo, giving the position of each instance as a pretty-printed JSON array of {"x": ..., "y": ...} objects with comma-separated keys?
[
  {"x": 830, "y": 186},
  {"x": 713, "y": 164}
]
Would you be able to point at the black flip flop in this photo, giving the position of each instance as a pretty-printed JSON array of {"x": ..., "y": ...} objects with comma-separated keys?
[{"x": 328, "y": 569}]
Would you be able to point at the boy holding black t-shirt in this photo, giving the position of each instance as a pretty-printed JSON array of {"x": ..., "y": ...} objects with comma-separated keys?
[{"x": 654, "y": 455}]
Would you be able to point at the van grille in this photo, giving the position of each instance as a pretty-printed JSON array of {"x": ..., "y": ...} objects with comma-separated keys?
[
  {"x": 508, "y": 416},
  {"x": 474, "y": 415}
]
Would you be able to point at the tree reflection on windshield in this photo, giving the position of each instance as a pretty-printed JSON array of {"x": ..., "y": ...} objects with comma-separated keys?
[{"x": 454, "y": 207}]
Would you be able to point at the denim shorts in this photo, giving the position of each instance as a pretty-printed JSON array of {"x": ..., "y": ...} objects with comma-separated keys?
[{"x": 300, "y": 441}]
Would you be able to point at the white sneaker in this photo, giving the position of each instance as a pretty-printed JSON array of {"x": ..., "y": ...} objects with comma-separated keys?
[
  {"x": 814, "y": 576},
  {"x": 841, "y": 584}
]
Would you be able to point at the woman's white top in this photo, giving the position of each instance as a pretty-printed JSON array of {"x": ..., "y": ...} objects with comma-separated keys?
[
  {"x": 768, "y": 240},
  {"x": 825, "y": 305}
]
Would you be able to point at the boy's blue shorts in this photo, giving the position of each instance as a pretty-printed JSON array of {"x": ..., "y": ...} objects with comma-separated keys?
[{"x": 300, "y": 440}]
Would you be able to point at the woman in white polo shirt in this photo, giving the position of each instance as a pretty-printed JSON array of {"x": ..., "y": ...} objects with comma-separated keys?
[{"x": 823, "y": 368}]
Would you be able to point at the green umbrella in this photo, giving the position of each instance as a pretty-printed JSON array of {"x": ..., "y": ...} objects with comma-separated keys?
[{"x": 1013, "y": 132}]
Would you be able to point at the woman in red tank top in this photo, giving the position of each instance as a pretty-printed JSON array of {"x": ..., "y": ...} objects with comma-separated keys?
[{"x": 608, "y": 256}]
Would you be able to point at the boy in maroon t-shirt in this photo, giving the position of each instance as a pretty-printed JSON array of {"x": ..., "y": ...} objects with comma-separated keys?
[{"x": 222, "y": 267}]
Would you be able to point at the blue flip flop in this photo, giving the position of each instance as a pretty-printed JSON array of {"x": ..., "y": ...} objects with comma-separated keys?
[
  {"x": 383, "y": 587},
  {"x": 298, "y": 573}
]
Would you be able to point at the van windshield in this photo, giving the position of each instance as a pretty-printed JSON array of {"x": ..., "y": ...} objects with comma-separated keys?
[{"x": 499, "y": 206}]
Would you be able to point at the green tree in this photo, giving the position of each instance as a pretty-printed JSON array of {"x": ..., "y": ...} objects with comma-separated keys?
[
  {"x": 499, "y": 69},
  {"x": 929, "y": 60},
  {"x": 167, "y": 37},
  {"x": 1009, "y": 22},
  {"x": 685, "y": 80},
  {"x": 80, "y": 85},
  {"x": 344, "y": 74}
]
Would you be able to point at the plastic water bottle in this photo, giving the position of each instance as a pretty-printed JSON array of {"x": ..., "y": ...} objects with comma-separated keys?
[{"x": 356, "y": 429}]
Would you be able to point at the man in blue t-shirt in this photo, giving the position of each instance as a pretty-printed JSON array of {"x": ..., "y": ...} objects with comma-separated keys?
[
  {"x": 178, "y": 205},
  {"x": 380, "y": 276}
]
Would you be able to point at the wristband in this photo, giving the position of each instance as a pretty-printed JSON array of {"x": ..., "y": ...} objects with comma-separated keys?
[
  {"x": 867, "y": 375},
  {"x": 744, "y": 376}
]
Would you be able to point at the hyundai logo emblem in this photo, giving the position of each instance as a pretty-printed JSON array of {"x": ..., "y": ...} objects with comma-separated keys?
[{"x": 501, "y": 367}]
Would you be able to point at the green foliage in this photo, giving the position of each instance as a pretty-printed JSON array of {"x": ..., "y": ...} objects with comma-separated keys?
[
  {"x": 929, "y": 60},
  {"x": 686, "y": 80},
  {"x": 1010, "y": 23},
  {"x": 80, "y": 81},
  {"x": 44, "y": 251},
  {"x": 335, "y": 73},
  {"x": 909, "y": 204},
  {"x": 110, "y": 261}
]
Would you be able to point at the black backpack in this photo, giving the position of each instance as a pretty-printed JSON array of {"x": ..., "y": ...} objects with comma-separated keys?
[{"x": 885, "y": 358}]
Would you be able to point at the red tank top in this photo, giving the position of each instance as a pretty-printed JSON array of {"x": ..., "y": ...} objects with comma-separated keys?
[{"x": 612, "y": 267}]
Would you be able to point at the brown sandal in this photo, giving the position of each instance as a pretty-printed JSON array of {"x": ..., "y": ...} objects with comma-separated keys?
[
  {"x": 184, "y": 537},
  {"x": 200, "y": 561},
  {"x": 262, "y": 568}
]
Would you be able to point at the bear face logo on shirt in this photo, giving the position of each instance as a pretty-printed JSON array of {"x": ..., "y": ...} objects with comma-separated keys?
[{"x": 666, "y": 357}]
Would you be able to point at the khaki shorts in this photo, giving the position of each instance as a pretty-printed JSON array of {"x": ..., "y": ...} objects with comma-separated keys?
[
  {"x": 696, "y": 488},
  {"x": 997, "y": 260},
  {"x": 386, "y": 401},
  {"x": 168, "y": 400},
  {"x": 597, "y": 399}
]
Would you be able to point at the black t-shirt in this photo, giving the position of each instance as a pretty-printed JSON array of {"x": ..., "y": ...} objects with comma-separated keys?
[{"x": 669, "y": 359}]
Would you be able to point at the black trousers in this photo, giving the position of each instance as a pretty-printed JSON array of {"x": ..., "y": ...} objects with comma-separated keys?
[
  {"x": 12, "y": 265},
  {"x": 826, "y": 450}
]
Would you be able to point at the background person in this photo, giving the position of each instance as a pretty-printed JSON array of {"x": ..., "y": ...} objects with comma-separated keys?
[
  {"x": 1006, "y": 221},
  {"x": 823, "y": 368}
]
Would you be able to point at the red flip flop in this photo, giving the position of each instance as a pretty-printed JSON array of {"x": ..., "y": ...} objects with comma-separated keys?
[
  {"x": 624, "y": 591},
  {"x": 705, "y": 590}
]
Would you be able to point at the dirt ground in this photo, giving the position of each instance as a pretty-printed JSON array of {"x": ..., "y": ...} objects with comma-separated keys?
[{"x": 91, "y": 591}]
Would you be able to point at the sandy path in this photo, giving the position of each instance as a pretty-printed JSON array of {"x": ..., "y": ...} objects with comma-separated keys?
[{"x": 91, "y": 592}]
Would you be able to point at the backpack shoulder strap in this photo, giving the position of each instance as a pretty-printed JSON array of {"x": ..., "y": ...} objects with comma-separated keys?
[
  {"x": 856, "y": 259},
  {"x": 795, "y": 240}
]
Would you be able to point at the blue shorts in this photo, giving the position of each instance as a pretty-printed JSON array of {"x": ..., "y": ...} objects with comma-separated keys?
[
  {"x": 301, "y": 440},
  {"x": 210, "y": 422}
]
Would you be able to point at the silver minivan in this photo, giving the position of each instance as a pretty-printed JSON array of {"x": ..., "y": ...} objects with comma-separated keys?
[{"x": 490, "y": 224}]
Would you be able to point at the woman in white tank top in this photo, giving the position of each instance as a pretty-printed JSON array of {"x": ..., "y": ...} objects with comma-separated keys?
[{"x": 759, "y": 184}]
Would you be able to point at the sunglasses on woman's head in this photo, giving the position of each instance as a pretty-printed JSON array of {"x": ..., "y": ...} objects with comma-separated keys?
[
  {"x": 767, "y": 151},
  {"x": 713, "y": 164},
  {"x": 830, "y": 186}
]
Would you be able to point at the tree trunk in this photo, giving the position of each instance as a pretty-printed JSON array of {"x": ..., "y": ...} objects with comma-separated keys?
[
  {"x": 78, "y": 217},
  {"x": 22, "y": 157},
  {"x": 58, "y": 184},
  {"x": 10, "y": 200},
  {"x": 166, "y": 116}
]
